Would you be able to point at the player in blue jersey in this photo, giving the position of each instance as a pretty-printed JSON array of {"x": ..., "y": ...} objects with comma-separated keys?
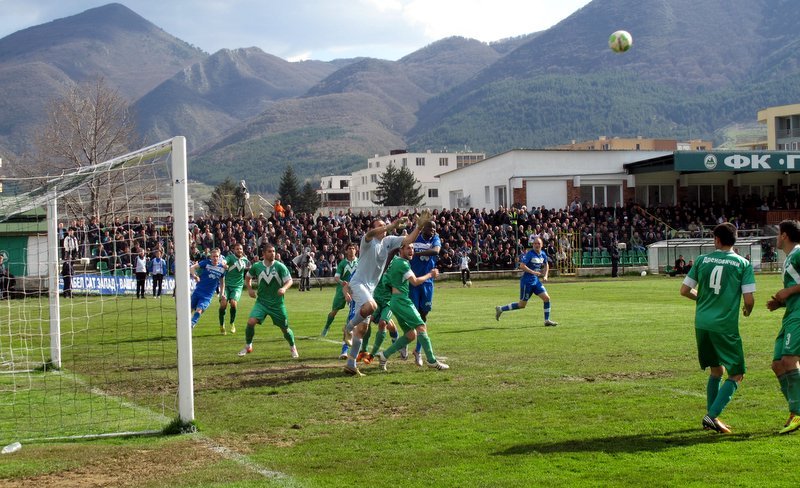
[
  {"x": 426, "y": 255},
  {"x": 211, "y": 276},
  {"x": 534, "y": 271}
]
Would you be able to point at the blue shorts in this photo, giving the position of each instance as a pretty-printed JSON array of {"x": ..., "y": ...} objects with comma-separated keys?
[
  {"x": 422, "y": 296},
  {"x": 200, "y": 301},
  {"x": 526, "y": 291}
]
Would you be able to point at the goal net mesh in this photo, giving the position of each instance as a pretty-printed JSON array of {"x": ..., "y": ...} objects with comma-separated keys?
[{"x": 107, "y": 364}]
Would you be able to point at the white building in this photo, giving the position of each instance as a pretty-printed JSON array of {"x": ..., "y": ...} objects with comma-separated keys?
[
  {"x": 552, "y": 178},
  {"x": 426, "y": 167},
  {"x": 335, "y": 191}
]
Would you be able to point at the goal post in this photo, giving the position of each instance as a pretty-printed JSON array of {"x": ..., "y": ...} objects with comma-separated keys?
[{"x": 84, "y": 350}]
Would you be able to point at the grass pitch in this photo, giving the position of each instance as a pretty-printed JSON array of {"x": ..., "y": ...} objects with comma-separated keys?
[{"x": 611, "y": 397}]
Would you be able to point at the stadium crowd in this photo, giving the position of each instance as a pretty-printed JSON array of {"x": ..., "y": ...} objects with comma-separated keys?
[{"x": 491, "y": 238}]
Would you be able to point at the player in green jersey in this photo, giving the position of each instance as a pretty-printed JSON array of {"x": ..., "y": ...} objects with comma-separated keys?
[
  {"x": 718, "y": 282},
  {"x": 273, "y": 280},
  {"x": 786, "y": 357},
  {"x": 403, "y": 309},
  {"x": 341, "y": 297},
  {"x": 383, "y": 317},
  {"x": 238, "y": 265}
]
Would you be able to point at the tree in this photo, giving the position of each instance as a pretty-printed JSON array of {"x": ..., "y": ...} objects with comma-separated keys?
[
  {"x": 288, "y": 190},
  {"x": 89, "y": 124},
  {"x": 397, "y": 188},
  {"x": 309, "y": 199},
  {"x": 223, "y": 199}
]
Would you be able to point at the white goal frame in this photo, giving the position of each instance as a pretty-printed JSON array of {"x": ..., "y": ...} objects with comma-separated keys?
[{"x": 58, "y": 187}]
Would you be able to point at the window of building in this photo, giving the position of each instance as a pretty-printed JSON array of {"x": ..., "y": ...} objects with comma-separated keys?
[
  {"x": 344, "y": 184},
  {"x": 369, "y": 165},
  {"x": 443, "y": 162},
  {"x": 603, "y": 195},
  {"x": 705, "y": 194},
  {"x": 655, "y": 195},
  {"x": 405, "y": 162},
  {"x": 377, "y": 164},
  {"x": 420, "y": 161},
  {"x": 761, "y": 191},
  {"x": 433, "y": 193},
  {"x": 363, "y": 180},
  {"x": 373, "y": 178}
]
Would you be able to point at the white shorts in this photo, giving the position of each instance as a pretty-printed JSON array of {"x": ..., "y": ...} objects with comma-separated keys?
[{"x": 360, "y": 295}]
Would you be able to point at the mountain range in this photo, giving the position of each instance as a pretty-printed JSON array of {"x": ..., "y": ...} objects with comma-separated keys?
[{"x": 695, "y": 68}]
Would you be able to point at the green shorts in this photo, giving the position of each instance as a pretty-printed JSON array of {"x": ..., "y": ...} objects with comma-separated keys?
[
  {"x": 716, "y": 349},
  {"x": 788, "y": 341},
  {"x": 405, "y": 312},
  {"x": 233, "y": 293},
  {"x": 338, "y": 299},
  {"x": 383, "y": 312},
  {"x": 278, "y": 314}
]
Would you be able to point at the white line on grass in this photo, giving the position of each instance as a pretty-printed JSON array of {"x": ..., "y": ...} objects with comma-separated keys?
[
  {"x": 316, "y": 338},
  {"x": 224, "y": 451},
  {"x": 245, "y": 461},
  {"x": 684, "y": 392}
]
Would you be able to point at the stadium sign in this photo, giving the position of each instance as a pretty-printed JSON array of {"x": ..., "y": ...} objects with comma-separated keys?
[
  {"x": 737, "y": 161},
  {"x": 93, "y": 284}
]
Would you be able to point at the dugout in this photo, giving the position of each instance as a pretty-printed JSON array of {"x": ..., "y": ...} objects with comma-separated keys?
[{"x": 662, "y": 254}]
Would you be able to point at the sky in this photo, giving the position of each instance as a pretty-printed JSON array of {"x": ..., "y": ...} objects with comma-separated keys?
[{"x": 316, "y": 29}]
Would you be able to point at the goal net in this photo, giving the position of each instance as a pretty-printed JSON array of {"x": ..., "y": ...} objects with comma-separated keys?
[{"x": 83, "y": 351}]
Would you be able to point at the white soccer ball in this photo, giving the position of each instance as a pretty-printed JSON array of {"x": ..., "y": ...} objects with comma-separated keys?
[
  {"x": 644, "y": 273},
  {"x": 620, "y": 41},
  {"x": 469, "y": 284}
]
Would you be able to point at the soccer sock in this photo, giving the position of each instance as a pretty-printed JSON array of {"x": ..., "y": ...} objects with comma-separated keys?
[
  {"x": 233, "y": 314},
  {"x": 354, "y": 350},
  {"x": 329, "y": 321},
  {"x": 357, "y": 319},
  {"x": 195, "y": 318},
  {"x": 725, "y": 394},
  {"x": 784, "y": 382},
  {"x": 289, "y": 336},
  {"x": 793, "y": 390},
  {"x": 400, "y": 343},
  {"x": 379, "y": 337},
  {"x": 345, "y": 347},
  {"x": 712, "y": 390},
  {"x": 221, "y": 317},
  {"x": 547, "y": 310},
  {"x": 249, "y": 333},
  {"x": 365, "y": 339},
  {"x": 510, "y": 306},
  {"x": 393, "y": 335},
  {"x": 425, "y": 342}
]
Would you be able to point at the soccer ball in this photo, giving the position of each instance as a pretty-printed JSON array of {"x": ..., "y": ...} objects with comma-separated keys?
[
  {"x": 620, "y": 41},
  {"x": 644, "y": 273},
  {"x": 469, "y": 284}
]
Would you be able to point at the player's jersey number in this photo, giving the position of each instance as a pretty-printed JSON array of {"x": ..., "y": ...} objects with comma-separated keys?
[{"x": 715, "y": 279}]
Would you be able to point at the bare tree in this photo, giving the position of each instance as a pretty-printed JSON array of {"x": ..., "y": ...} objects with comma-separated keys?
[{"x": 91, "y": 123}]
